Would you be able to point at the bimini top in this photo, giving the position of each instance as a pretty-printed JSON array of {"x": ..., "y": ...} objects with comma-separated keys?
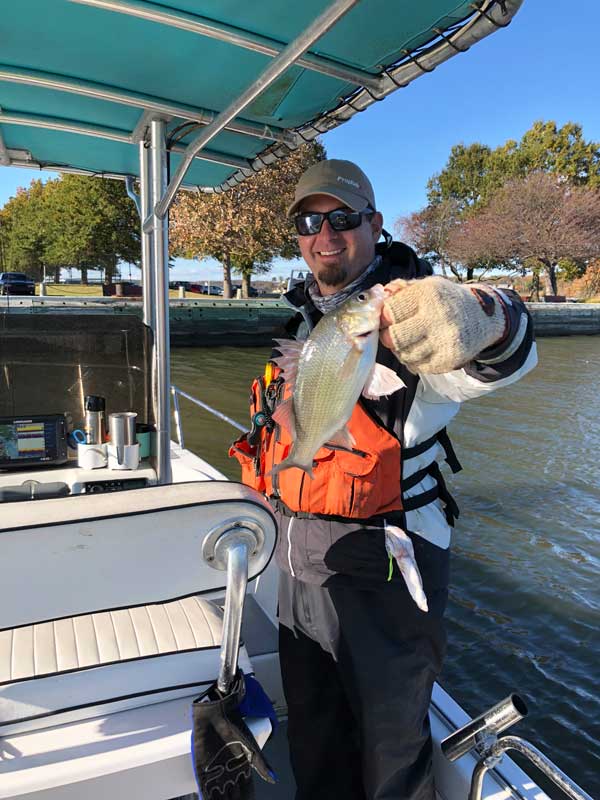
[{"x": 239, "y": 82}]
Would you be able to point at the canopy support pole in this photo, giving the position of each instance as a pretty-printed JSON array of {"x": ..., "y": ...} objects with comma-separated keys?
[
  {"x": 159, "y": 260},
  {"x": 145, "y": 209}
]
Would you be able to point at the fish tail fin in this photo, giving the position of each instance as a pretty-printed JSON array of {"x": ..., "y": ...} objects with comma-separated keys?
[{"x": 290, "y": 462}]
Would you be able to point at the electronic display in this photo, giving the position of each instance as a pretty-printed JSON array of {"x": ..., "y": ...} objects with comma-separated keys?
[{"x": 27, "y": 441}]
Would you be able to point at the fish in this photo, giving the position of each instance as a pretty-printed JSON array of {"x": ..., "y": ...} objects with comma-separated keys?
[
  {"x": 400, "y": 547},
  {"x": 327, "y": 373}
]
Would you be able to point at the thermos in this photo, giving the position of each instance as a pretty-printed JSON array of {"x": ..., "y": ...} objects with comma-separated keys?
[{"x": 95, "y": 426}]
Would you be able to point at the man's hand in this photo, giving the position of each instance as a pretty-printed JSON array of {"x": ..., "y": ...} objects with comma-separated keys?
[{"x": 434, "y": 325}]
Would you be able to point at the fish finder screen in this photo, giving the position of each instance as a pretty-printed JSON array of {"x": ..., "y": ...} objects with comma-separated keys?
[
  {"x": 26, "y": 441},
  {"x": 22, "y": 440}
]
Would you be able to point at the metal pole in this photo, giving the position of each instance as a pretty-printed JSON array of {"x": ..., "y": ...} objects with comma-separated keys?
[
  {"x": 237, "y": 580},
  {"x": 276, "y": 68},
  {"x": 48, "y": 80},
  {"x": 145, "y": 207},
  {"x": 160, "y": 268},
  {"x": 235, "y": 36}
]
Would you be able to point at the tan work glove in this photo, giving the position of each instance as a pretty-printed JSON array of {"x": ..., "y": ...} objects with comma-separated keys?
[{"x": 434, "y": 325}]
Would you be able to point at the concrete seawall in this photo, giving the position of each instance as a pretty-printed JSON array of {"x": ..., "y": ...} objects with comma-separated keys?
[
  {"x": 565, "y": 319},
  {"x": 254, "y": 322}
]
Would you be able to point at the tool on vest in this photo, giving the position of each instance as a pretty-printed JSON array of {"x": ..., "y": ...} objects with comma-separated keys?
[{"x": 261, "y": 417}]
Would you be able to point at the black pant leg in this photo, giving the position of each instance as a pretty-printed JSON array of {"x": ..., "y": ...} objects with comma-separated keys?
[
  {"x": 390, "y": 654},
  {"x": 322, "y": 731}
]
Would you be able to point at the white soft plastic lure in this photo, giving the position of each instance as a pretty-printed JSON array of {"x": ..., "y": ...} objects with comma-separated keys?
[
  {"x": 327, "y": 374},
  {"x": 400, "y": 547}
]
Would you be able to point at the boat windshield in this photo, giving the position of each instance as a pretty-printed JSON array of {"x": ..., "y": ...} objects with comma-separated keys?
[{"x": 50, "y": 362}]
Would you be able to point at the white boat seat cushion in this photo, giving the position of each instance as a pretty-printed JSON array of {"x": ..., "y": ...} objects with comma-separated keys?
[{"x": 94, "y": 664}]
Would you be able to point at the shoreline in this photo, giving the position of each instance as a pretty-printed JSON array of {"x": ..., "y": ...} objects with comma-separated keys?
[{"x": 210, "y": 322}]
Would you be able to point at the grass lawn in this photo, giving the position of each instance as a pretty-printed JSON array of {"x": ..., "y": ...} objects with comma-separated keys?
[
  {"x": 79, "y": 290},
  {"x": 70, "y": 290}
]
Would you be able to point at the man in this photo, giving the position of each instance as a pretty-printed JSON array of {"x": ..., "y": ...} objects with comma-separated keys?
[{"x": 358, "y": 657}]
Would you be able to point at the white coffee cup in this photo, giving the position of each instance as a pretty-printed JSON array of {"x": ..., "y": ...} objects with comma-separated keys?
[
  {"x": 91, "y": 456},
  {"x": 125, "y": 456}
]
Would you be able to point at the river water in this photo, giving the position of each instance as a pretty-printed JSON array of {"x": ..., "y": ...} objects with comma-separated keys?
[{"x": 525, "y": 597}]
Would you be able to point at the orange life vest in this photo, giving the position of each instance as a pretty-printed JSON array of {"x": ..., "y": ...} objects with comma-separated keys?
[{"x": 355, "y": 484}]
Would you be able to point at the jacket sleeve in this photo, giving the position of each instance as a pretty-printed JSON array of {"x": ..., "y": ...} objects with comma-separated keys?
[{"x": 498, "y": 366}]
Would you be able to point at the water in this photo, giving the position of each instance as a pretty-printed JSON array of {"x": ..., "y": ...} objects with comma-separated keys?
[{"x": 523, "y": 611}]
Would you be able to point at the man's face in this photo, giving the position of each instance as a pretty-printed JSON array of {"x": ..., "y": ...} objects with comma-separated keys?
[{"x": 336, "y": 258}]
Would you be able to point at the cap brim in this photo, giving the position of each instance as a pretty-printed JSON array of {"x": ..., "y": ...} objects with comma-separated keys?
[{"x": 353, "y": 201}]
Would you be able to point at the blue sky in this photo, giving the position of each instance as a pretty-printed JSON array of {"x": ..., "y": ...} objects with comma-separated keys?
[{"x": 543, "y": 66}]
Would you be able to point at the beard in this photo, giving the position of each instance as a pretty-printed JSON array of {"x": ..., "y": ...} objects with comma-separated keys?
[{"x": 332, "y": 276}]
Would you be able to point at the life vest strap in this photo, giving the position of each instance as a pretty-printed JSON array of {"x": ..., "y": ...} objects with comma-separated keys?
[
  {"x": 451, "y": 510},
  {"x": 443, "y": 439}
]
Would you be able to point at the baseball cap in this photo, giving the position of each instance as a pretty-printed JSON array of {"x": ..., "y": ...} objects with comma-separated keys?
[{"x": 340, "y": 179}]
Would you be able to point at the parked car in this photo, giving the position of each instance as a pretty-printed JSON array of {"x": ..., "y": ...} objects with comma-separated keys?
[
  {"x": 16, "y": 283},
  {"x": 252, "y": 291}
]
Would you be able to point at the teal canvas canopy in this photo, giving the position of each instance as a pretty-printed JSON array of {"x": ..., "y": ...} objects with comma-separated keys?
[{"x": 80, "y": 79}]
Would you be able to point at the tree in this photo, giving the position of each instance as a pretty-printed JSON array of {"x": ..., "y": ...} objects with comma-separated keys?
[
  {"x": 428, "y": 230},
  {"x": 562, "y": 151},
  {"x": 96, "y": 224},
  {"x": 464, "y": 178},
  {"x": 24, "y": 226},
  {"x": 538, "y": 220},
  {"x": 72, "y": 220},
  {"x": 473, "y": 173},
  {"x": 246, "y": 227}
]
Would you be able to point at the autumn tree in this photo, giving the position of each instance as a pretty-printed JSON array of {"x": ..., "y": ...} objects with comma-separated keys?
[
  {"x": 428, "y": 231},
  {"x": 471, "y": 178},
  {"x": 246, "y": 227},
  {"x": 538, "y": 220},
  {"x": 474, "y": 172}
]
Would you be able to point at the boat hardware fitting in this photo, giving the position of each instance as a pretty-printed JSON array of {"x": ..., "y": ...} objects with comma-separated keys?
[
  {"x": 481, "y": 734},
  {"x": 480, "y": 730},
  {"x": 493, "y": 755}
]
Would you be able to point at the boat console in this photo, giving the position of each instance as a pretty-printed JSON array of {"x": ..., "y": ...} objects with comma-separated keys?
[{"x": 70, "y": 479}]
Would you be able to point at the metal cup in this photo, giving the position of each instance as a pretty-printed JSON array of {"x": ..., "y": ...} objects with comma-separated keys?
[{"x": 122, "y": 432}]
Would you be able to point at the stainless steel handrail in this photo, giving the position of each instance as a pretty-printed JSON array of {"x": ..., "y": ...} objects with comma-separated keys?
[
  {"x": 233, "y": 546},
  {"x": 176, "y": 391},
  {"x": 237, "y": 581},
  {"x": 492, "y": 755}
]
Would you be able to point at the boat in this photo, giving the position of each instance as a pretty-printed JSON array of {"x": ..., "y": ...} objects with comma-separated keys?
[{"x": 126, "y": 592}]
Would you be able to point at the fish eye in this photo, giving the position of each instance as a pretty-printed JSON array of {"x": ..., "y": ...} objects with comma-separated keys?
[{"x": 362, "y": 297}]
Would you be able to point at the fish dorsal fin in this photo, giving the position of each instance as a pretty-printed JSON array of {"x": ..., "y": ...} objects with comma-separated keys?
[
  {"x": 343, "y": 438},
  {"x": 381, "y": 382},
  {"x": 285, "y": 417},
  {"x": 287, "y": 362}
]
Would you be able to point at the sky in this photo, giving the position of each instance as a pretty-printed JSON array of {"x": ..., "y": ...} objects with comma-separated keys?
[{"x": 543, "y": 66}]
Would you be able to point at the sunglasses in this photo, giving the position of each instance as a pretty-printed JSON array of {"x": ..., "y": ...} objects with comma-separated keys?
[{"x": 340, "y": 219}]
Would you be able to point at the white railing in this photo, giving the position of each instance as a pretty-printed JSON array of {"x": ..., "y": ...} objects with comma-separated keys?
[{"x": 176, "y": 392}]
